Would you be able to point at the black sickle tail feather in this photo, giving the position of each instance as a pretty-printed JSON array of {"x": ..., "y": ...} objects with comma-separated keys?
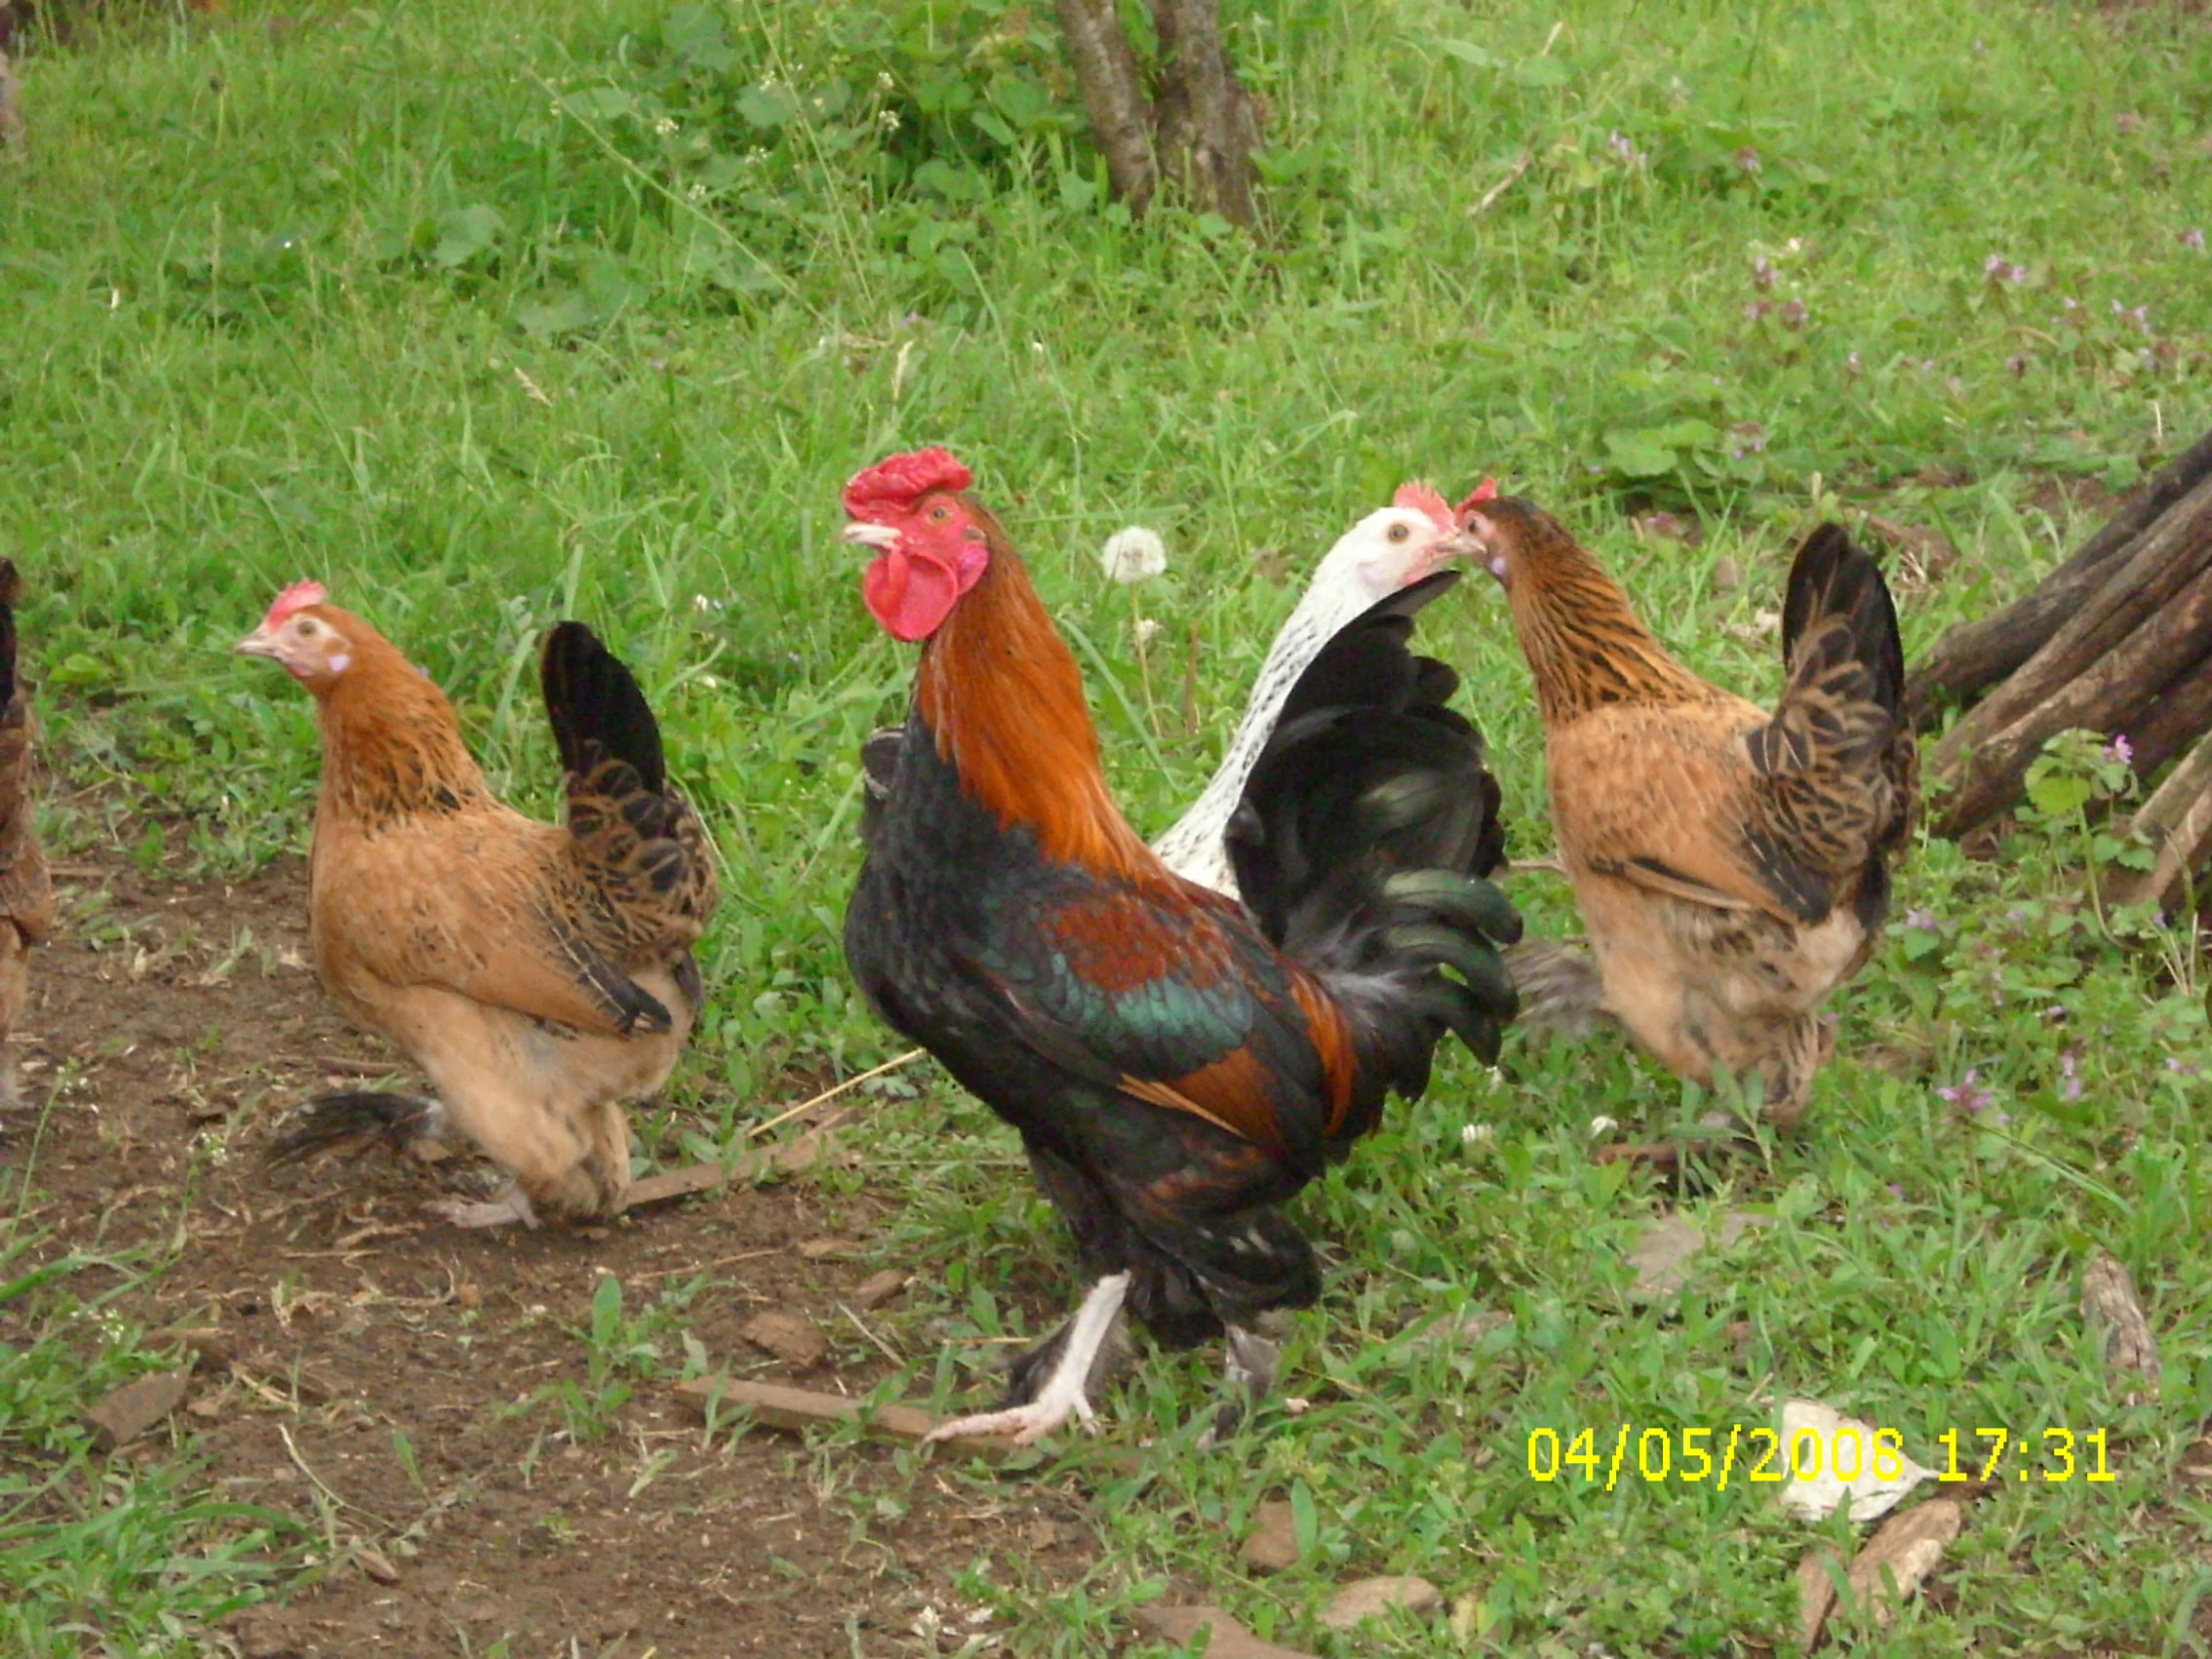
[
  {"x": 597, "y": 711},
  {"x": 1833, "y": 577},
  {"x": 1362, "y": 847},
  {"x": 355, "y": 1116}
]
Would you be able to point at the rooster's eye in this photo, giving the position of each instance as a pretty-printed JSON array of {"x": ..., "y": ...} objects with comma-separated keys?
[
  {"x": 1400, "y": 532},
  {"x": 939, "y": 514}
]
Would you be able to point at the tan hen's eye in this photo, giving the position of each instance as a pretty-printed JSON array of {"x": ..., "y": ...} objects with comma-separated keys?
[
  {"x": 1400, "y": 532},
  {"x": 307, "y": 629}
]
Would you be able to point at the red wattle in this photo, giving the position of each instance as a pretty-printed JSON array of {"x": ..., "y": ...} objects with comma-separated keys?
[{"x": 909, "y": 596}]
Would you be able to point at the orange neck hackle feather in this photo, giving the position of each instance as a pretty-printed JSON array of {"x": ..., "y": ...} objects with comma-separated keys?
[
  {"x": 391, "y": 742},
  {"x": 1585, "y": 644},
  {"x": 1000, "y": 691}
]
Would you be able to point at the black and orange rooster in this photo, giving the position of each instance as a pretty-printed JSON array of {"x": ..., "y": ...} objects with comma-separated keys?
[{"x": 1175, "y": 1074}]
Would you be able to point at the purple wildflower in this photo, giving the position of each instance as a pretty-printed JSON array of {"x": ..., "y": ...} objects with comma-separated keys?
[
  {"x": 1923, "y": 921},
  {"x": 1750, "y": 438},
  {"x": 1624, "y": 150},
  {"x": 2138, "y": 314},
  {"x": 2127, "y": 121},
  {"x": 1747, "y": 159},
  {"x": 2122, "y": 750},
  {"x": 1999, "y": 270},
  {"x": 1793, "y": 314},
  {"x": 2193, "y": 238},
  {"x": 1762, "y": 274},
  {"x": 2069, "y": 1067},
  {"x": 2182, "y": 1068},
  {"x": 1757, "y": 310},
  {"x": 2017, "y": 364},
  {"x": 1967, "y": 1096},
  {"x": 1896, "y": 1192}
]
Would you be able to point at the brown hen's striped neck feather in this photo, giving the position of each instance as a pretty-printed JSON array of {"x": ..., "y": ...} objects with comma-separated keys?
[
  {"x": 1584, "y": 642},
  {"x": 391, "y": 742},
  {"x": 1001, "y": 691}
]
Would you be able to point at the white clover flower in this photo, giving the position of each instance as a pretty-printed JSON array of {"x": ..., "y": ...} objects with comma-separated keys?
[
  {"x": 1602, "y": 1125},
  {"x": 1477, "y": 1134},
  {"x": 665, "y": 126},
  {"x": 1147, "y": 631},
  {"x": 1134, "y": 555}
]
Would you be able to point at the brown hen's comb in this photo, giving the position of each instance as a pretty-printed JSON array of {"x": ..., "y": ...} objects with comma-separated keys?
[
  {"x": 1486, "y": 491},
  {"x": 901, "y": 480},
  {"x": 298, "y": 596},
  {"x": 1421, "y": 497}
]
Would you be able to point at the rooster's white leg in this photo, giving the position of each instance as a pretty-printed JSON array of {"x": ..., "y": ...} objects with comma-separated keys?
[
  {"x": 508, "y": 1205},
  {"x": 1062, "y": 1394}
]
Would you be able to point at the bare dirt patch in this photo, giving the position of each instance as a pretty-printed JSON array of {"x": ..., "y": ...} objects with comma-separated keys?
[{"x": 422, "y": 1401}]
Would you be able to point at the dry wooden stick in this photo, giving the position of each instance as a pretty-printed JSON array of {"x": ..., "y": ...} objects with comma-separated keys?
[
  {"x": 1974, "y": 656},
  {"x": 780, "y": 1406}
]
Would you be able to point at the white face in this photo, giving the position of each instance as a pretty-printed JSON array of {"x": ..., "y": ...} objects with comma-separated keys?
[
  {"x": 1387, "y": 550},
  {"x": 309, "y": 648}
]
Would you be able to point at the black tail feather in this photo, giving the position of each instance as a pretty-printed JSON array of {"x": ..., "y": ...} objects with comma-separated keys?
[
  {"x": 355, "y": 1116},
  {"x": 597, "y": 711},
  {"x": 1833, "y": 577}
]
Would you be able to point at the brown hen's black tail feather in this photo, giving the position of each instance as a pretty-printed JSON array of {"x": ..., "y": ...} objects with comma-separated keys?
[
  {"x": 1833, "y": 577},
  {"x": 355, "y": 1117},
  {"x": 597, "y": 711}
]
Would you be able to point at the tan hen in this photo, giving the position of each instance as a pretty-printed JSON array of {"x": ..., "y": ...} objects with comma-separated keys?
[{"x": 1732, "y": 867}]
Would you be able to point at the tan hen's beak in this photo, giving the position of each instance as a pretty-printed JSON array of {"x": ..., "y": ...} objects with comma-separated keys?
[{"x": 259, "y": 643}]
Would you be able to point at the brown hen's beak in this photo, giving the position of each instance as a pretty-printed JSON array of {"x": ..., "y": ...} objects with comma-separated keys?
[
  {"x": 259, "y": 643},
  {"x": 1462, "y": 544}
]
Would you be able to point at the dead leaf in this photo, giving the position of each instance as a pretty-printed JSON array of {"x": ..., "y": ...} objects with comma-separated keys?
[
  {"x": 1817, "y": 1574},
  {"x": 878, "y": 1288},
  {"x": 376, "y": 1564},
  {"x": 1664, "y": 1248},
  {"x": 1728, "y": 575},
  {"x": 1225, "y": 1638},
  {"x": 1817, "y": 1495},
  {"x": 1369, "y": 1596},
  {"x": 1271, "y": 1544},
  {"x": 135, "y": 1408},
  {"x": 791, "y": 1337},
  {"x": 1901, "y": 1554},
  {"x": 2114, "y": 1314},
  {"x": 823, "y": 1249}
]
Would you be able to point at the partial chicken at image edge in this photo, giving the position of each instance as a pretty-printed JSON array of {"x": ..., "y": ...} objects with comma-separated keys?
[
  {"x": 1174, "y": 1075},
  {"x": 26, "y": 891},
  {"x": 1732, "y": 867},
  {"x": 540, "y": 976}
]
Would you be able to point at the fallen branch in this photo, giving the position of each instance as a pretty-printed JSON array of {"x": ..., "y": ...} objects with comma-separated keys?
[{"x": 778, "y": 1405}]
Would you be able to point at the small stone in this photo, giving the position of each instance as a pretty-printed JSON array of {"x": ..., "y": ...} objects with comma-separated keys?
[
  {"x": 1369, "y": 1596},
  {"x": 878, "y": 1288},
  {"x": 1225, "y": 1638},
  {"x": 376, "y": 1564},
  {"x": 1271, "y": 1544},
  {"x": 791, "y": 1337},
  {"x": 1728, "y": 575},
  {"x": 135, "y": 1408}
]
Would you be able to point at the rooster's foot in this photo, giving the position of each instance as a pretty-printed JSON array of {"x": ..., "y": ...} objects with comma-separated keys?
[
  {"x": 505, "y": 1206},
  {"x": 1062, "y": 1394}
]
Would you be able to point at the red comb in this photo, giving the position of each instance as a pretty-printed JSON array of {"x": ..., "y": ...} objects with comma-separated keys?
[
  {"x": 298, "y": 596},
  {"x": 1484, "y": 491},
  {"x": 901, "y": 480},
  {"x": 1422, "y": 498}
]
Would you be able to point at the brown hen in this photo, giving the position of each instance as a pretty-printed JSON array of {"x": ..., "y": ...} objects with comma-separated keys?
[
  {"x": 540, "y": 974},
  {"x": 1732, "y": 867},
  {"x": 26, "y": 895}
]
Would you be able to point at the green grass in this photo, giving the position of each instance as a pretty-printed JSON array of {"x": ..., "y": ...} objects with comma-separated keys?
[{"x": 491, "y": 314}]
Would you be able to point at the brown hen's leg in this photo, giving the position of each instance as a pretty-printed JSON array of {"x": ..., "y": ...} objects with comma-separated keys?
[
  {"x": 1062, "y": 1395},
  {"x": 509, "y": 1204}
]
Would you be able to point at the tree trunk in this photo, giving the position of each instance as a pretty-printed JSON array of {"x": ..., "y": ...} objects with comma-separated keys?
[{"x": 1197, "y": 124}]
